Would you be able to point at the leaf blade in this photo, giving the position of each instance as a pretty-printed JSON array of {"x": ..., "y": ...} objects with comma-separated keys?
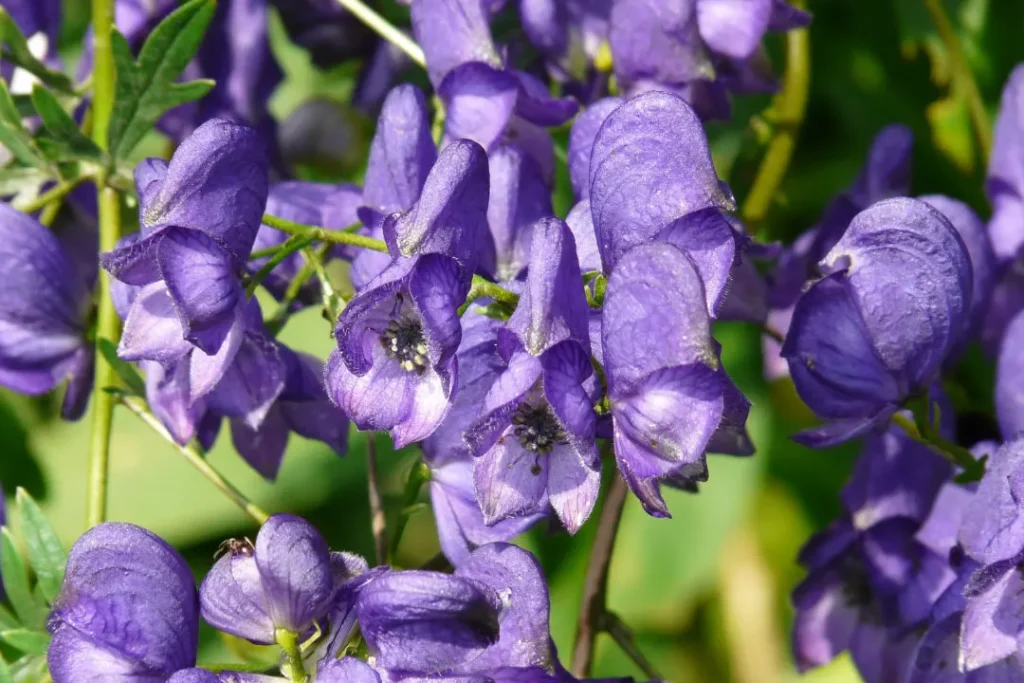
[
  {"x": 72, "y": 144},
  {"x": 45, "y": 552},
  {"x": 15, "y": 577}
]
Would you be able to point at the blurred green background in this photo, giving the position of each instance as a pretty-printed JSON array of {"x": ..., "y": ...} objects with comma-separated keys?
[{"x": 707, "y": 591}]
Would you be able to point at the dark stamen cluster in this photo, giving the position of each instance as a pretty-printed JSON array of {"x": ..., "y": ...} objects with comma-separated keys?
[
  {"x": 536, "y": 428},
  {"x": 403, "y": 340}
]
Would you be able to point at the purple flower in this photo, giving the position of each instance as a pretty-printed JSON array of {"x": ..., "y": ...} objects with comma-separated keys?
[
  {"x": 346, "y": 670},
  {"x": 199, "y": 217},
  {"x": 286, "y": 581},
  {"x": 1005, "y": 184},
  {"x": 1009, "y": 393},
  {"x": 652, "y": 178},
  {"x": 395, "y": 366},
  {"x": 993, "y": 523},
  {"x": 879, "y": 326},
  {"x": 483, "y": 100},
  {"x": 127, "y": 609},
  {"x": 519, "y": 198},
  {"x": 460, "y": 522},
  {"x": 535, "y": 437},
  {"x": 44, "y": 314},
  {"x": 667, "y": 390}
]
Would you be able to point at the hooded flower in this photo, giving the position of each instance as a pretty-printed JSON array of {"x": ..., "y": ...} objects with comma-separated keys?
[
  {"x": 535, "y": 437},
  {"x": 652, "y": 178},
  {"x": 1005, "y": 184},
  {"x": 395, "y": 366},
  {"x": 879, "y": 326},
  {"x": 484, "y": 101},
  {"x": 127, "y": 610},
  {"x": 519, "y": 198},
  {"x": 44, "y": 314},
  {"x": 285, "y": 581},
  {"x": 199, "y": 217},
  {"x": 460, "y": 523},
  {"x": 667, "y": 390}
]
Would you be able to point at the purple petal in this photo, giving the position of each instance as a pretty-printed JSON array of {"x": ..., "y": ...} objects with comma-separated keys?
[
  {"x": 133, "y": 597},
  {"x": 1009, "y": 392},
  {"x": 581, "y": 222},
  {"x": 494, "y": 413},
  {"x": 886, "y": 172},
  {"x": 581, "y": 142},
  {"x": 216, "y": 183},
  {"x": 840, "y": 431},
  {"x": 658, "y": 41},
  {"x": 263, "y": 448},
  {"x": 1005, "y": 185},
  {"x": 167, "y": 392},
  {"x": 251, "y": 383},
  {"x": 546, "y": 24},
  {"x": 567, "y": 368},
  {"x": 573, "y": 486},
  {"x": 510, "y": 481},
  {"x": 346, "y": 670},
  {"x": 206, "y": 371},
  {"x": 519, "y": 197},
  {"x": 825, "y": 623},
  {"x": 734, "y": 28},
  {"x": 708, "y": 239},
  {"x": 319, "y": 420},
  {"x": 74, "y": 656},
  {"x": 553, "y": 307},
  {"x": 479, "y": 100},
  {"x": 232, "y": 599},
  {"x": 152, "y": 330},
  {"x": 993, "y": 523},
  {"x": 401, "y": 154},
  {"x": 438, "y": 288},
  {"x": 202, "y": 283},
  {"x": 536, "y": 105},
  {"x": 650, "y": 165},
  {"x": 452, "y": 32},
  {"x": 149, "y": 177},
  {"x": 295, "y": 568},
  {"x": 992, "y": 621}
]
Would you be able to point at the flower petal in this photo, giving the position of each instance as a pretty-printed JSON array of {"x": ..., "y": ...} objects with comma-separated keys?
[
  {"x": 510, "y": 481},
  {"x": 734, "y": 28},
  {"x": 708, "y": 239},
  {"x": 452, "y": 32},
  {"x": 581, "y": 142},
  {"x": 519, "y": 198},
  {"x": 167, "y": 392},
  {"x": 232, "y": 600},
  {"x": 401, "y": 154},
  {"x": 479, "y": 101},
  {"x": 658, "y": 42},
  {"x": 152, "y": 330},
  {"x": 295, "y": 567},
  {"x": 346, "y": 670}
]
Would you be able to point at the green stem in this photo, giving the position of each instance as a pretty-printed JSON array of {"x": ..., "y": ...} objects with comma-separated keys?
[
  {"x": 958, "y": 455},
  {"x": 289, "y": 642},
  {"x": 325, "y": 234},
  {"x": 482, "y": 288},
  {"x": 788, "y": 108},
  {"x": 386, "y": 30},
  {"x": 194, "y": 458},
  {"x": 623, "y": 636},
  {"x": 378, "y": 521},
  {"x": 332, "y": 301},
  {"x": 104, "y": 75},
  {"x": 419, "y": 475},
  {"x": 52, "y": 195},
  {"x": 292, "y": 244},
  {"x": 963, "y": 75},
  {"x": 284, "y": 308}
]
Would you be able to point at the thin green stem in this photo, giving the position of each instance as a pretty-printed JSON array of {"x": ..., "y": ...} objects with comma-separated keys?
[
  {"x": 283, "y": 311},
  {"x": 958, "y": 455},
  {"x": 289, "y": 642},
  {"x": 104, "y": 75},
  {"x": 292, "y": 244},
  {"x": 788, "y": 109},
  {"x": 482, "y": 288},
  {"x": 332, "y": 301},
  {"x": 623, "y": 636},
  {"x": 139, "y": 409},
  {"x": 386, "y": 30},
  {"x": 52, "y": 195},
  {"x": 325, "y": 234},
  {"x": 963, "y": 75},
  {"x": 419, "y": 475}
]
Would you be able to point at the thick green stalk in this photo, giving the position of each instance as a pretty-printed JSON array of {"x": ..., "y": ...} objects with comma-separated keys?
[
  {"x": 107, "y": 324},
  {"x": 289, "y": 642},
  {"x": 787, "y": 114}
]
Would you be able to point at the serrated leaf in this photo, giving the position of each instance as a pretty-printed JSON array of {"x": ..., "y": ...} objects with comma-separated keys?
[
  {"x": 128, "y": 374},
  {"x": 29, "y": 642},
  {"x": 15, "y": 179},
  {"x": 18, "y": 53},
  {"x": 148, "y": 88},
  {"x": 68, "y": 142},
  {"x": 45, "y": 552},
  {"x": 13, "y": 133},
  {"x": 15, "y": 578}
]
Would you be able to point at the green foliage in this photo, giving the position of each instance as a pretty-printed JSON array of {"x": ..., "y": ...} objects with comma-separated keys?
[
  {"x": 45, "y": 552},
  {"x": 148, "y": 87},
  {"x": 65, "y": 142},
  {"x": 125, "y": 371},
  {"x": 13, "y": 134},
  {"x": 15, "y": 50}
]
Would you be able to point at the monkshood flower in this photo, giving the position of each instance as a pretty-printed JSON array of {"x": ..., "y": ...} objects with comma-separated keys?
[
  {"x": 490, "y": 615},
  {"x": 535, "y": 438},
  {"x": 395, "y": 366},
  {"x": 666, "y": 386},
  {"x": 127, "y": 610},
  {"x": 483, "y": 99},
  {"x": 866, "y": 592},
  {"x": 1005, "y": 184},
  {"x": 460, "y": 523},
  {"x": 288, "y": 580},
  {"x": 199, "y": 217},
  {"x": 652, "y": 178},
  {"x": 877, "y": 329},
  {"x": 519, "y": 198},
  {"x": 327, "y": 206},
  {"x": 401, "y": 156},
  {"x": 44, "y": 314}
]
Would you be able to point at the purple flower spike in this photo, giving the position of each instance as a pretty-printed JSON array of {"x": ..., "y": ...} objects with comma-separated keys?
[
  {"x": 665, "y": 384},
  {"x": 534, "y": 439},
  {"x": 651, "y": 177},
  {"x": 199, "y": 217},
  {"x": 853, "y": 361},
  {"x": 395, "y": 364},
  {"x": 127, "y": 609},
  {"x": 43, "y": 313},
  {"x": 286, "y": 581},
  {"x": 1005, "y": 185}
]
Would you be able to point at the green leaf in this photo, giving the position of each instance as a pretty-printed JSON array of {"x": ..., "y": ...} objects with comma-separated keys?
[
  {"x": 148, "y": 88},
  {"x": 12, "y": 568},
  {"x": 5, "y": 672},
  {"x": 7, "y": 620},
  {"x": 13, "y": 134},
  {"x": 18, "y": 53},
  {"x": 45, "y": 552},
  {"x": 68, "y": 143},
  {"x": 29, "y": 642},
  {"x": 15, "y": 179},
  {"x": 128, "y": 374}
]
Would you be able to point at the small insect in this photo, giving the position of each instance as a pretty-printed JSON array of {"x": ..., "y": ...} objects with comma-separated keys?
[{"x": 235, "y": 546}]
